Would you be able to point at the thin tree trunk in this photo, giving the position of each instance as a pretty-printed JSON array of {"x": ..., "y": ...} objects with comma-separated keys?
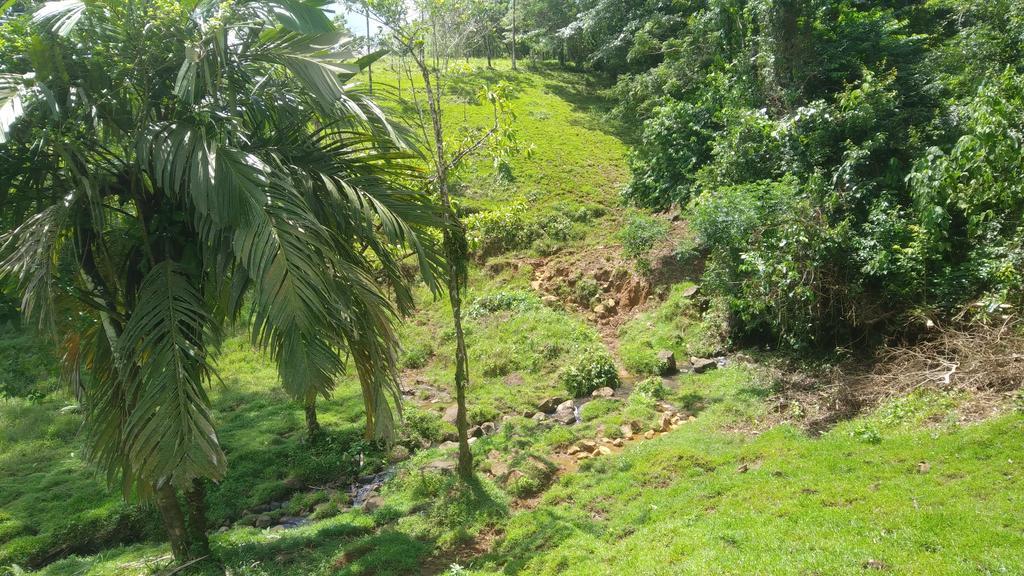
[
  {"x": 514, "y": 34},
  {"x": 312, "y": 424},
  {"x": 369, "y": 69},
  {"x": 455, "y": 250},
  {"x": 195, "y": 498},
  {"x": 174, "y": 521}
]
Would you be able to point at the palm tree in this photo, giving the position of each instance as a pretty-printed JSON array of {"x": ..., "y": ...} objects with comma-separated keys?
[{"x": 190, "y": 163}]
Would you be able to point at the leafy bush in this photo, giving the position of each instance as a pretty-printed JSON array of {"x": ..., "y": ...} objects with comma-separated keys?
[
  {"x": 639, "y": 237},
  {"x": 674, "y": 144},
  {"x": 592, "y": 370},
  {"x": 416, "y": 354},
  {"x": 495, "y": 231},
  {"x": 651, "y": 387}
]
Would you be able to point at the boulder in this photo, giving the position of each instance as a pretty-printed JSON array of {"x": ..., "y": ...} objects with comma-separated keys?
[
  {"x": 573, "y": 450},
  {"x": 649, "y": 434},
  {"x": 626, "y": 430},
  {"x": 667, "y": 362},
  {"x": 565, "y": 414},
  {"x": 691, "y": 292},
  {"x": 372, "y": 502},
  {"x": 618, "y": 443},
  {"x": 499, "y": 469},
  {"x": 604, "y": 392},
  {"x": 539, "y": 417},
  {"x": 587, "y": 445},
  {"x": 442, "y": 465},
  {"x": 702, "y": 365},
  {"x": 451, "y": 413},
  {"x": 398, "y": 454},
  {"x": 475, "y": 432},
  {"x": 549, "y": 299},
  {"x": 262, "y": 521},
  {"x": 551, "y": 404},
  {"x": 488, "y": 428},
  {"x": 602, "y": 451}
]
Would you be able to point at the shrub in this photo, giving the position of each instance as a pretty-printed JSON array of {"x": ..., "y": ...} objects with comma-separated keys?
[
  {"x": 650, "y": 387},
  {"x": 639, "y": 237},
  {"x": 499, "y": 230},
  {"x": 592, "y": 370},
  {"x": 417, "y": 354}
]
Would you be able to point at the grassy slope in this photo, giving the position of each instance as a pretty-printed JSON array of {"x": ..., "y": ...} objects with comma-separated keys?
[{"x": 677, "y": 504}]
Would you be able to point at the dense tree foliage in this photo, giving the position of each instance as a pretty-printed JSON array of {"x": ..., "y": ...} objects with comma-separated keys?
[
  {"x": 174, "y": 165},
  {"x": 847, "y": 164}
]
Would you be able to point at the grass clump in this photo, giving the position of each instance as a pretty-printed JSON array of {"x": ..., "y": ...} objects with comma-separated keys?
[
  {"x": 592, "y": 370},
  {"x": 674, "y": 325},
  {"x": 651, "y": 387}
]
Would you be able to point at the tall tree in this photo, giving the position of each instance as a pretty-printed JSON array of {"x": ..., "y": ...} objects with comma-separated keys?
[
  {"x": 188, "y": 156},
  {"x": 435, "y": 35}
]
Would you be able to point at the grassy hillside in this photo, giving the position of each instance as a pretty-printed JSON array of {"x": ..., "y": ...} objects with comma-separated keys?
[{"x": 905, "y": 489}]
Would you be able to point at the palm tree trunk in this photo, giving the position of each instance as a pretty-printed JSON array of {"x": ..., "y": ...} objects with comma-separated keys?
[
  {"x": 455, "y": 250},
  {"x": 195, "y": 498},
  {"x": 174, "y": 521},
  {"x": 312, "y": 424}
]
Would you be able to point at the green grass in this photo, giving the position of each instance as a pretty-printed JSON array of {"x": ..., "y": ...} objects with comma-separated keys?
[{"x": 703, "y": 501}]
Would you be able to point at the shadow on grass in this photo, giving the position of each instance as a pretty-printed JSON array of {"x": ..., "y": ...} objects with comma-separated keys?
[{"x": 548, "y": 528}]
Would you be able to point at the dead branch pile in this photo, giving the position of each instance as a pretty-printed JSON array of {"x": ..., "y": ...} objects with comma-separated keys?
[{"x": 979, "y": 358}]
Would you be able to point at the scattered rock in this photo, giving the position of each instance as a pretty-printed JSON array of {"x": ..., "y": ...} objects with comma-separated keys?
[
  {"x": 691, "y": 292},
  {"x": 70, "y": 409},
  {"x": 702, "y": 365},
  {"x": 604, "y": 392},
  {"x": 488, "y": 428},
  {"x": 618, "y": 443},
  {"x": 536, "y": 285},
  {"x": 875, "y": 565},
  {"x": 742, "y": 468},
  {"x": 539, "y": 417},
  {"x": 587, "y": 445},
  {"x": 472, "y": 440},
  {"x": 549, "y": 299},
  {"x": 583, "y": 455},
  {"x": 665, "y": 423},
  {"x": 474, "y": 432},
  {"x": 923, "y": 467},
  {"x": 627, "y": 431},
  {"x": 451, "y": 413},
  {"x": 448, "y": 444},
  {"x": 603, "y": 451},
  {"x": 649, "y": 434},
  {"x": 600, "y": 311},
  {"x": 528, "y": 413},
  {"x": 551, "y": 404},
  {"x": 667, "y": 362},
  {"x": 514, "y": 475},
  {"x": 573, "y": 450}
]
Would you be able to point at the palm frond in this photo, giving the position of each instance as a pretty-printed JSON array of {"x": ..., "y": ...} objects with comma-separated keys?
[{"x": 169, "y": 434}]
